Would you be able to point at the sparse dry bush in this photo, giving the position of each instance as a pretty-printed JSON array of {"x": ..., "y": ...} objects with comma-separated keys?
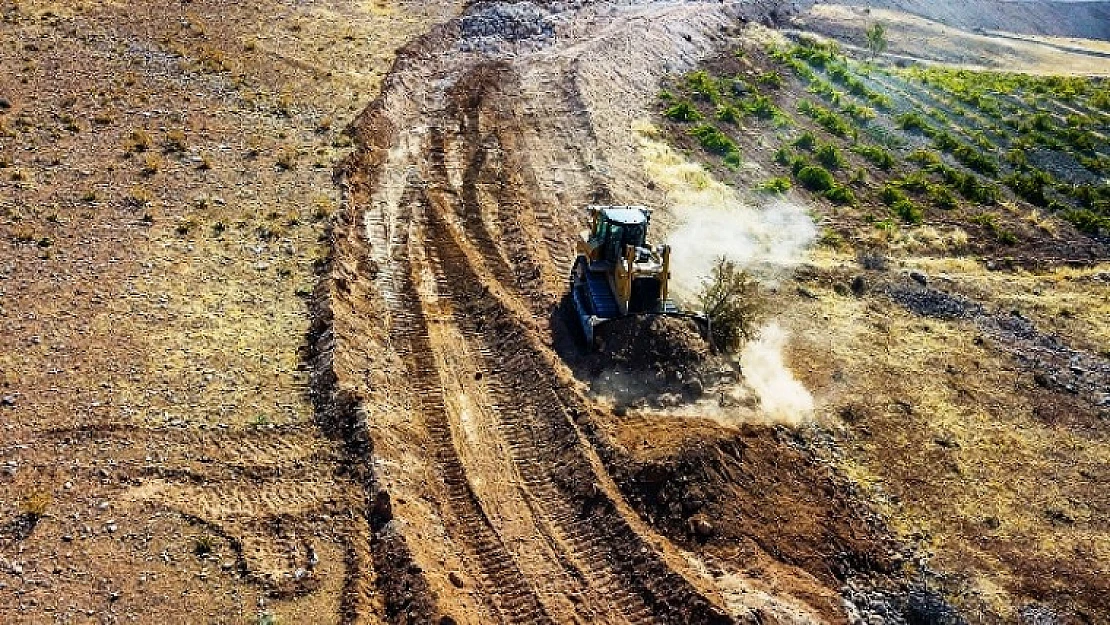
[
  {"x": 174, "y": 141},
  {"x": 287, "y": 158},
  {"x": 139, "y": 141},
  {"x": 731, "y": 299},
  {"x": 204, "y": 545},
  {"x": 139, "y": 197},
  {"x": 323, "y": 208},
  {"x": 872, "y": 260},
  {"x": 36, "y": 503},
  {"x": 23, "y": 233},
  {"x": 187, "y": 225},
  {"x": 151, "y": 165}
]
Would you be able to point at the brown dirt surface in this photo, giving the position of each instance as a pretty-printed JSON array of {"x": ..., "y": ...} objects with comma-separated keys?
[
  {"x": 165, "y": 181},
  {"x": 652, "y": 343},
  {"x": 257, "y": 368},
  {"x": 493, "y": 470},
  {"x": 1089, "y": 20},
  {"x": 970, "y": 426},
  {"x": 913, "y": 37}
]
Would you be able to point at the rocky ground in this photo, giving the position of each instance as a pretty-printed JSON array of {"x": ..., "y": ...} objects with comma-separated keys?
[
  {"x": 258, "y": 369},
  {"x": 165, "y": 181}
]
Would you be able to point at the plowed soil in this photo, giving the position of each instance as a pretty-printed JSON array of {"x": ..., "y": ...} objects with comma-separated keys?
[
  {"x": 500, "y": 491},
  {"x": 161, "y": 461}
]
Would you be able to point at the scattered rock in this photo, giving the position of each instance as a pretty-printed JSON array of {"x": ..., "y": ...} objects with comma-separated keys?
[
  {"x": 859, "y": 286},
  {"x": 928, "y": 302},
  {"x": 701, "y": 527},
  {"x": 455, "y": 579},
  {"x": 7, "y": 400},
  {"x": 919, "y": 277}
]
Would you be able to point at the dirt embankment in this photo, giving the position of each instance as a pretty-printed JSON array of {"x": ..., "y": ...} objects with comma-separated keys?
[
  {"x": 1089, "y": 20},
  {"x": 914, "y": 38},
  {"x": 497, "y": 493}
]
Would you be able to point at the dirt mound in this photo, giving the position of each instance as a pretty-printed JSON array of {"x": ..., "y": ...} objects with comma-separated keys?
[
  {"x": 652, "y": 344},
  {"x": 759, "y": 497}
]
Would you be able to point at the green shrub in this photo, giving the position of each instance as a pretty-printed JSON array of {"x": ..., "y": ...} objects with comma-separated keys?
[
  {"x": 942, "y": 197},
  {"x": 816, "y": 178},
  {"x": 713, "y": 140},
  {"x": 683, "y": 111},
  {"x": 734, "y": 304},
  {"x": 1090, "y": 196},
  {"x": 762, "y": 107},
  {"x": 891, "y": 194},
  {"x": 858, "y": 113},
  {"x": 974, "y": 189},
  {"x": 829, "y": 156},
  {"x": 1030, "y": 186},
  {"x": 916, "y": 182},
  {"x": 806, "y": 141},
  {"x": 825, "y": 118},
  {"x": 826, "y": 91},
  {"x": 703, "y": 86},
  {"x": 797, "y": 164},
  {"x": 907, "y": 211},
  {"x": 912, "y": 121},
  {"x": 1017, "y": 158},
  {"x": 783, "y": 156},
  {"x": 877, "y": 155},
  {"x": 1087, "y": 221},
  {"x": 842, "y": 195},
  {"x": 729, "y": 114},
  {"x": 925, "y": 158},
  {"x": 778, "y": 184},
  {"x": 771, "y": 79},
  {"x": 1097, "y": 164},
  {"x": 975, "y": 160},
  {"x": 990, "y": 222},
  {"x": 943, "y": 140}
]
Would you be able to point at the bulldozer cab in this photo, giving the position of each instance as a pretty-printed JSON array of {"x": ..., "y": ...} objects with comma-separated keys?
[{"x": 616, "y": 228}]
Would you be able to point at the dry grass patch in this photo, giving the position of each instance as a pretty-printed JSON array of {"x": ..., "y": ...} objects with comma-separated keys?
[{"x": 941, "y": 425}]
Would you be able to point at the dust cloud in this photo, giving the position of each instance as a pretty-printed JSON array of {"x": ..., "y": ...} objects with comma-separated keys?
[
  {"x": 782, "y": 397},
  {"x": 713, "y": 221}
]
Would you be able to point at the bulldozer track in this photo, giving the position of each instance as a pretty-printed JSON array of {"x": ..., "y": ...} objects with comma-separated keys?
[
  {"x": 505, "y": 587},
  {"x": 451, "y": 259},
  {"x": 537, "y": 423}
]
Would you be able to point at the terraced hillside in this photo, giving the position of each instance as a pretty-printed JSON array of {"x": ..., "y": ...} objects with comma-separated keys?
[
  {"x": 1005, "y": 165},
  {"x": 954, "y": 317}
]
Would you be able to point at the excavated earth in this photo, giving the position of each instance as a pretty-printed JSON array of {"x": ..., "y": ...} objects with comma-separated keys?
[{"x": 497, "y": 489}]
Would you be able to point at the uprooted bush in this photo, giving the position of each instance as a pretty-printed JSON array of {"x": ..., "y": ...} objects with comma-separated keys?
[{"x": 732, "y": 300}]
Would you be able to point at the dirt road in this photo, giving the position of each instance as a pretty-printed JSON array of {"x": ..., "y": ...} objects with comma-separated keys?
[{"x": 490, "y": 498}]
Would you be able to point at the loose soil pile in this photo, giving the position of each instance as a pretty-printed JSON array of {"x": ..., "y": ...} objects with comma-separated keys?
[{"x": 652, "y": 343}]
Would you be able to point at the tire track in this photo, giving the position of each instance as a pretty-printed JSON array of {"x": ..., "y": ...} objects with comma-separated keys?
[
  {"x": 624, "y": 572},
  {"x": 507, "y": 590},
  {"x": 450, "y": 260}
]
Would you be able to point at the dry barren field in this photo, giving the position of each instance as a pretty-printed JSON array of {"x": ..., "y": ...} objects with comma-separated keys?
[{"x": 284, "y": 332}]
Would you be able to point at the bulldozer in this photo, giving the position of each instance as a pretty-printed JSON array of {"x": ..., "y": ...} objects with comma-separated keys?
[{"x": 617, "y": 273}]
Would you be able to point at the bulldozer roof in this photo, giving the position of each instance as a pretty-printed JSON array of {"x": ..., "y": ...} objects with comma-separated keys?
[{"x": 627, "y": 215}]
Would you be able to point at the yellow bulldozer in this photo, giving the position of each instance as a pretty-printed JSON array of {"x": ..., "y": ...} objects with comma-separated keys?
[{"x": 617, "y": 273}]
